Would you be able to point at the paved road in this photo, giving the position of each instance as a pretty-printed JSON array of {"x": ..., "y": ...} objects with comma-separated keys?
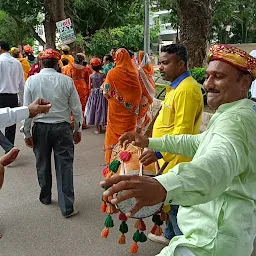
[{"x": 32, "y": 229}]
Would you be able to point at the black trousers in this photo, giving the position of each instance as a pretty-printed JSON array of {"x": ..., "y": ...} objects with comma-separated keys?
[
  {"x": 59, "y": 139},
  {"x": 9, "y": 100}
]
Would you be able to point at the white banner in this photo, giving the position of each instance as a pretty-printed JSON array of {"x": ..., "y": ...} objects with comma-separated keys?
[{"x": 67, "y": 34}]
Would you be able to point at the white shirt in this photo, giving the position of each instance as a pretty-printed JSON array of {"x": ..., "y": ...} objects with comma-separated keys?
[
  {"x": 60, "y": 91},
  {"x": 12, "y": 76},
  {"x": 253, "y": 89},
  {"x": 10, "y": 116},
  {"x": 253, "y": 86}
]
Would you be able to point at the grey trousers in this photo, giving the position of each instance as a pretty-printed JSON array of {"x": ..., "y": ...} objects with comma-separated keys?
[
  {"x": 9, "y": 100},
  {"x": 5, "y": 143},
  {"x": 59, "y": 139}
]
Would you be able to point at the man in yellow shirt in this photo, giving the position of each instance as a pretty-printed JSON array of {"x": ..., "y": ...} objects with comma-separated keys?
[
  {"x": 15, "y": 52},
  {"x": 65, "y": 49},
  {"x": 181, "y": 113}
]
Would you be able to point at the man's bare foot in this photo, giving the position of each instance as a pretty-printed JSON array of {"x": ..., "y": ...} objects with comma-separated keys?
[{"x": 9, "y": 157}]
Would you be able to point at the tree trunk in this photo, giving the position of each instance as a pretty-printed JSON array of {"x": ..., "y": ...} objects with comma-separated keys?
[
  {"x": 50, "y": 32},
  {"x": 195, "y": 23},
  {"x": 55, "y": 11}
]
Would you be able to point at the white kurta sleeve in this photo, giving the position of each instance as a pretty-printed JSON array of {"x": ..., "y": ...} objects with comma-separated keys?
[{"x": 10, "y": 116}]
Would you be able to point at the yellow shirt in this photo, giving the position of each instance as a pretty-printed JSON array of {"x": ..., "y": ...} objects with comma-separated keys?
[{"x": 181, "y": 113}]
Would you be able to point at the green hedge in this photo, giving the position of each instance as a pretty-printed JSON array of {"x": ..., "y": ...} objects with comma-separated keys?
[{"x": 198, "y": 74}]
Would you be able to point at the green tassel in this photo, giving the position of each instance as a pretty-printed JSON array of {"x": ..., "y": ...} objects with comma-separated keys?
[
  {"x": 123, "y": 227},
  {"x": 114, "y": 166},
  {"x": 106, "y": 188},
  {"x": 109, "y": 223},
  {"x": 143, "y": 237},
  {"x": 136, "y": 236}
]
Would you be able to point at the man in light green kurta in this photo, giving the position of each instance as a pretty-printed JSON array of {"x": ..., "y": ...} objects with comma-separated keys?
[
  {"x": 218, "y": 185},
  {"x": 217, "y": 189}
]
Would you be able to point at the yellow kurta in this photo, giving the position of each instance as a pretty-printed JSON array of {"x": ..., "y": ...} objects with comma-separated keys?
[
  {"x": 26, "y": 67},
  {"x": 181, "y": 113}
]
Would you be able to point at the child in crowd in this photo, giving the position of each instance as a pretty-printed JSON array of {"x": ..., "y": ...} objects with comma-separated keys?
[{"x": 96, "y": 113}]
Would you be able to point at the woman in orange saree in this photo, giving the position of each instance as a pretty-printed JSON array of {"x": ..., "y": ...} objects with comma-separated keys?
[
  {"x": 146, "y": 72},
  {"x": 123, "y": 91},
  {"x": 80, "y": 77}
]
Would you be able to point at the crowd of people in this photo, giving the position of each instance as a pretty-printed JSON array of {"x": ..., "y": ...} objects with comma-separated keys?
[
  {"x": 83, "y": 92},
  {"x": 207, "y": 185}
]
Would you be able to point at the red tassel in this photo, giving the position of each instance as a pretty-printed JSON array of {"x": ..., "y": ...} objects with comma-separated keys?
[
  {"x": 134, "y": 248},
  {"x": 105, "y": 232},
  {"x": 103, "y": 206},
  {"x": 122, "y": 217},
  {"x": 122, "y": 239},
  {"x": 142, "y": 225},
  {"x": 153, "y": 230}
]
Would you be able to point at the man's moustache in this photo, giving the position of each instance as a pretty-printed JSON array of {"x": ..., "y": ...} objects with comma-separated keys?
[{"x": 212, "y": 91}]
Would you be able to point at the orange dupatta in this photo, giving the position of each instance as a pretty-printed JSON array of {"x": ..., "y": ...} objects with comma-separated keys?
[
  {"x": 149, "y": 68},
  {"x": 124, "y": 94}
]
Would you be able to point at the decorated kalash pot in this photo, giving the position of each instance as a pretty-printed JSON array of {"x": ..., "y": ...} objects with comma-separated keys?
[{"x": 126, "y": 162}]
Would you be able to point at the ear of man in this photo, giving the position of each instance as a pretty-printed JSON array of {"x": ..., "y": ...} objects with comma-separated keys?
[{"x": 246, "y": 81}]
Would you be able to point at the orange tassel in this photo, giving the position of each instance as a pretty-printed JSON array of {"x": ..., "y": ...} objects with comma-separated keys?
[
  {"x": 158, "y": 231},
  {"x": 163, "y": 216},
  {"x": 103, "y": 206},
  {"x": 137, "y": 224},
  {"x": 110, "y": 209},
  {"x": 134, "y": 248},
  {"x": 109, "y": 175},
  {"x": 105, "y": 232},
  {"x": 105, "y": 199},
  {"x": 122, "y": 240},
  {"x": 105, "y": 172},
  {"x": 115, "y": 210}
]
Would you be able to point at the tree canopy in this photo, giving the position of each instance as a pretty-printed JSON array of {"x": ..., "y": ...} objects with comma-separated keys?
[{"x": 99, "y": 24}]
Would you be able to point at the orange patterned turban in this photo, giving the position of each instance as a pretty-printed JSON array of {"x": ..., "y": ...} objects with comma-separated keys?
[
  {"x": 233, "y": 56},
  {"x": 28, "y": 49},
  {"x": 49, "y": 54},
  {"x": 95, "y": 62}
]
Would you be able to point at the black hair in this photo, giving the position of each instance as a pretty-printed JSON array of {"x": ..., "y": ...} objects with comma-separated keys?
[
  {"x": 31, "y": 57},
  {"x": 79, "y": 58},
  {"x": 5, "y": 46},
  {"x": 16, "y": 55},
  {"x": 114, "y": 48},
  {"x": 96, "y": 68},
  {"x": 65, "y": 52},
  {"x": 64, "y": 61},
  {"x": 50, "y": 63},
  {"x": 109, "y": 58},
  {"x": 178, "y": 49}
]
